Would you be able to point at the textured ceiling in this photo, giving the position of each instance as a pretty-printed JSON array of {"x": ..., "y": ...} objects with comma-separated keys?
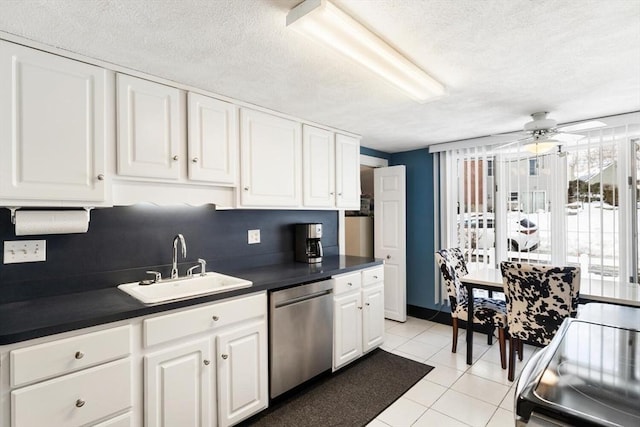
[{"x": 499, "y": 59}]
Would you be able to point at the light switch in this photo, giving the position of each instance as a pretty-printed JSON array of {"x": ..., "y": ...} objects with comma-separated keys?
[{"x": 18, "y": 251}]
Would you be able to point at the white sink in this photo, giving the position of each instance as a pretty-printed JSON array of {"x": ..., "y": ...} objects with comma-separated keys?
[{"x": 167, "y": 290}]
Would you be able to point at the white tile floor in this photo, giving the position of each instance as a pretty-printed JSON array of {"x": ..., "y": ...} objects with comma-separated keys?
[{"x": 453, "y": 394}]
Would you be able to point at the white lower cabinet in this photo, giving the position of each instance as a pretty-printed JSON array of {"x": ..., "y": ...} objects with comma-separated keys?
[
  {"x": 83, "y": 379},
  {"x": 242, "y": 372},
  {"x": 218, "y": 376},
  {"x": 177, "y": 386},
  {"x": 358, "y": 316}
]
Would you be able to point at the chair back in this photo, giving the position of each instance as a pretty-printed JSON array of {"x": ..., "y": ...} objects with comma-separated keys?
[
  {"x": 539, "y": 298},
  {"x": 453, "y": 267}
]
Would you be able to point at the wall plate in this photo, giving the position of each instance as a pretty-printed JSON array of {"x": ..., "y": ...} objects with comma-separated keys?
[
  {"x": 253, "y": 236},
  {"x": 18, "y": 251}
]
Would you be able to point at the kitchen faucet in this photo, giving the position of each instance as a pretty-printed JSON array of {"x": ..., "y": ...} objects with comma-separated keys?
[{"x": 174, "y": 264}]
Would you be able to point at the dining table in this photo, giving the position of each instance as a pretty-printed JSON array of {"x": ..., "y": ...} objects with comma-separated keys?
[{"x": 489, "y": 279}]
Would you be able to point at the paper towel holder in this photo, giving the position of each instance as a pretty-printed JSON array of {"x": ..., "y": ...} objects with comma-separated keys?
[{"x": 13, "y": 210}]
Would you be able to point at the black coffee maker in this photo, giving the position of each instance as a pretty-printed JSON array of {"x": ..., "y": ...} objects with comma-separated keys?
[{"x": 308, "y": 244}]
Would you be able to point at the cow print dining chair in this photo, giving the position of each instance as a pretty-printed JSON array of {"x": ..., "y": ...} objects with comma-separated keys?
[
  {"x": 487, "y": 311},
  {"x": 539, "y": 298}
]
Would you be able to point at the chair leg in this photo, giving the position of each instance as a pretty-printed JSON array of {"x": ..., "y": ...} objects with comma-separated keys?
[
  {"x": 502, "y": 341},
  {"x": 454, "y": 347},
  {"x": 520, "y": 350},
  {"x": 512, "y": 357},
  {"x": 490, "y": 335}
]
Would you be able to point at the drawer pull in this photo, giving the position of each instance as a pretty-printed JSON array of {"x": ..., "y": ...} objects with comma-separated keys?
[
  {"x": 349, "y": 283},
  {"x": 225, "y": 356},
  {"x": 206, "y": 362},
  {"x": 215, "y": 318},
  {"x": 375, "y": 277},
  {"x": 80, "y": 403},
  {"x": 79, "y": 355}
]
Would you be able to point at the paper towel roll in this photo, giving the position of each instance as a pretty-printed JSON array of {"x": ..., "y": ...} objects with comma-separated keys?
[{"x": 51, "y": 222}]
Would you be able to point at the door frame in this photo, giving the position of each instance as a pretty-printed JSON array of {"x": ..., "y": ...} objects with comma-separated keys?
[{"x": 375, "y": 162}]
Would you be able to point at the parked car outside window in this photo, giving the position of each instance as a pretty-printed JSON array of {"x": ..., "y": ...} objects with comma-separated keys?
[{"x": 522, "y": 233}]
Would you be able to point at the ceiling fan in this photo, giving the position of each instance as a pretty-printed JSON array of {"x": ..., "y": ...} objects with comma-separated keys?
[{"x": 543, "y": 133}]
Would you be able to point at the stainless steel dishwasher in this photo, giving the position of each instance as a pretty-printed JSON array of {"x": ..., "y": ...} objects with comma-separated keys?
[{"x": 301, "y": 334}]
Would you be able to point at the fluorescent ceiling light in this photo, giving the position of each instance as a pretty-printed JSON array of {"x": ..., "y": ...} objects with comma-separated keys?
[{"x": 323, "y": 22}]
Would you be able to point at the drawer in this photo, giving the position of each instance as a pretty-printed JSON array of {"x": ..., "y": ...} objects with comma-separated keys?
[
  {"x": 59, "y": 357},
  {"x": 74, "y": 399},
  {"x": 346, "y": 282},
  {"x": 181, "y": 324},
  {"x": 372, "y": 275},
  {"x": 124, "y": 420}
]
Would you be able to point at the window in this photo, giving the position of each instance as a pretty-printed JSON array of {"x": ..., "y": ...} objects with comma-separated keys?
[
  {"x": 489, "y": 167},
  {"x": 533, "y": 167}
]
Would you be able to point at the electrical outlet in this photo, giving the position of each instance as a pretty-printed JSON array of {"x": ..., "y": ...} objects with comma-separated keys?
[
  {"x": 253, "y": 237},
  {"x": 24, "y": 251}
]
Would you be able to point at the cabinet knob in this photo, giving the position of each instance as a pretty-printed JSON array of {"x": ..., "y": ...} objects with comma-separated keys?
[
  {"x": 175, "y": 158},
  {"x": 375, "y": 277},
  {"x": 195, "y": 160},
  {"x": 206, "y": 362},
  {"x": 101, "y": 177},
  {"x": 246, "y": 188},
  {"x": 332, "y": 193},
  {"x": 367, "y": 304},
  {"x": 80, "y": 403},
  {"x": 360, "y": 308},
  {"x": 388, "y": 256},
  {"x": 79, "y": 355},
  {"x": 215, "y": 318},
  {"x": 225, "y": 356},
  {"x": 339, "y": 194}
]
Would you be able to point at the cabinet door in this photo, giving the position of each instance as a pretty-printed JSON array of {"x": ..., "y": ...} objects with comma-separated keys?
[
  {"x": 318, "y": 153},
  {"x": 149, "y": 129},
  {"x": 52, "y": 127},
  {"x": 177, "y": 384},
  {"x": 347, "y": 328},
  {"x": 242, "y": 372},
  {"x": 347, "y": 172},
  {"x": 270, "y": 158},
  {"x": 212, "y": 139},
  {"x": 372, "y": 316}
]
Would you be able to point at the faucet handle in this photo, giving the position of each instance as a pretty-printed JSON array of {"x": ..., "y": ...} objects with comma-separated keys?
[
  {"x": 203, "y": 266},
  {"x": 157, "y": 275}
]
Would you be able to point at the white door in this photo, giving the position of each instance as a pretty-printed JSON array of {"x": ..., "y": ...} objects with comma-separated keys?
[
  {"x": 347, "y": 172},
  {"x": 178, "y": 386},
  {"x": 347, "y": 325},
  {"x": 52, "y": 126},
  {"x": 319, "y": 165},
  {"x": 242, "y": 372},
  {"x": 390, "y": 237},
  {"x": 212, "y": 139},
  {"x": 270, "y": 160},
  {"x": 150, "y": 129},
  {"x": 372, "y": 316}
]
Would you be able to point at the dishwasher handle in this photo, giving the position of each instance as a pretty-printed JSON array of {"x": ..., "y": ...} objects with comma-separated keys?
[{"x": 302, "y": 298}]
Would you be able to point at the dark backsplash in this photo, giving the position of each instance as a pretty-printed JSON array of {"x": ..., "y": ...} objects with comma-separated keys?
[{"x": 123, "y": 242}]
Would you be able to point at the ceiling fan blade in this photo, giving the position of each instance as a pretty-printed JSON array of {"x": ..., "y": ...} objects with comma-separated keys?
[
  {"x": 591, "y": 124},
  {"x": 567, "y": 137},
  {"x": 517, "y": 141}
]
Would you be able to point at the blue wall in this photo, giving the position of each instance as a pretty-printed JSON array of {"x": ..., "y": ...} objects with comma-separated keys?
[
  {"x": 420, "y": 226},
  {"x": 374, "y": 153}
]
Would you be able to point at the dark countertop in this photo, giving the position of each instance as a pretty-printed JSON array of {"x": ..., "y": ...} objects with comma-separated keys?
[{"x": 25, "y": 320}]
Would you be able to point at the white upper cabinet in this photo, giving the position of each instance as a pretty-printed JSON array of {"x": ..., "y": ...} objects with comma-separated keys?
[
  {"x": 53, "y": 123},
  {"x": 150, "y": 129},
  {"x": 212, "y": 140},
  {"x": 319, "y": 165},
  {"x": 347, "y": 172},
  {"x": 270, "y": 161}
]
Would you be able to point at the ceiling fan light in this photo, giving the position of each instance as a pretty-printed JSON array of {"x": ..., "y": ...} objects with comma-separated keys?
[
  {"x": 541, "y": 147},
  {"x": 323, "y": 22}
]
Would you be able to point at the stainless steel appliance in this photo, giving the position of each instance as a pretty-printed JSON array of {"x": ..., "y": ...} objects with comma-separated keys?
[
  {"x": 300, "y": 334},
  {"x": 308, "y": 243},
  {"x": 588, "y": 375}
]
